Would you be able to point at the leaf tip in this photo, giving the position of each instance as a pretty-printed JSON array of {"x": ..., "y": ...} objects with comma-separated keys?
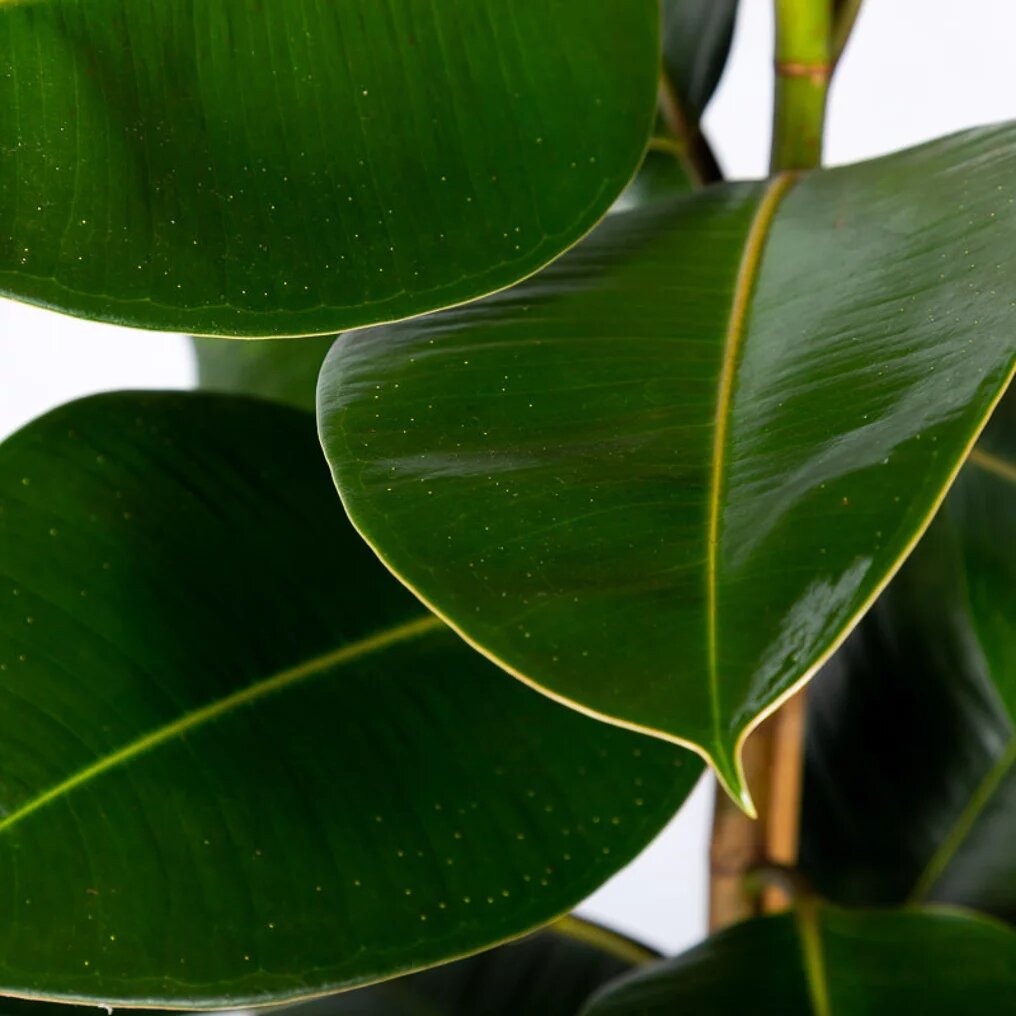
[{"x": 730, "y": 774}]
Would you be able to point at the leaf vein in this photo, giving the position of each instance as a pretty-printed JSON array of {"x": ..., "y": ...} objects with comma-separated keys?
[
  {"x": 747, "y": 274},
  {"x": 376, "y": 642}
]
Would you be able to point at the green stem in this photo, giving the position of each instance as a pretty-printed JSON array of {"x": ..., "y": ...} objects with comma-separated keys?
[{"x": 803, "y": 67}]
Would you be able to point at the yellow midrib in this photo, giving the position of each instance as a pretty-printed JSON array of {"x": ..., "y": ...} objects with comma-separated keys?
[
  {"x": 198, "y": 717},
  {"x": 809, "y": 928},
  {"x": 744, "y": 286}
]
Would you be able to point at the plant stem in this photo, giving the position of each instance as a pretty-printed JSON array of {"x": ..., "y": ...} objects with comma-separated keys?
[
  {"x": 805, "y": 56},
  {"x": 738, "y": 842},
  {"x": 783, "y": 819},
  {"x": 803, "y": 67},
  {"x": 695, "y": 153},
  {"x": 741, "y": 847},
  {"x": 774, "y": 754}
]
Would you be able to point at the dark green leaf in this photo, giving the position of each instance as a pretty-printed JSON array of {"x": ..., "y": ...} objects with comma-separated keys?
[
  {"x": 663, "y": 480},
  {"x": 550, "y": 974},
  {"x": 292, "y": 167},
  {"x": 910, "y": 777},
  {"x": 238, "y": 762},
  {"x": 661, "y": 175},
  {"x": 283, "y": 370},
  {"x": 696, "y": 42},
  {"x": 831, "y": 962}
]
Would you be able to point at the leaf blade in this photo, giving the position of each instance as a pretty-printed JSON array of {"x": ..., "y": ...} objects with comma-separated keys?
[
  {"x": 299, "y": 169},
  {"x": 935, "y": 655},
  {"x": 877, "y": 962},
  {"x": 221, "y": 714},
  {"x": 574, "y": 412},
  {"x": 696, "y": 42}
]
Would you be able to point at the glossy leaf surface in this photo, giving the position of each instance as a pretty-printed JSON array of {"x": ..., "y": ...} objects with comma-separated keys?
[
  {"x": 239, "y": 762},
  {"x": 910, "y": 776},
  {"x": 662, "y": 480},
  {"x": 832, "y": 963},
  {"x": 283, "y": 370},
  {"x": 550, "y": 974},
  {"x": 293, "y": 167}
]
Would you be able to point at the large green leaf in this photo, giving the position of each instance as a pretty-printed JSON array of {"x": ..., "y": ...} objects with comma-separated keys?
[
  {"x": 238, "y": 762},
  {"x": 910, "y": 777},
  {"x": 662, "y": 480},
  {"x": 550, "y": 974},
  {"x": 283, "y": 370},
  {"x": 293, "y": 167},
  {"x": 831, "y": 962}
]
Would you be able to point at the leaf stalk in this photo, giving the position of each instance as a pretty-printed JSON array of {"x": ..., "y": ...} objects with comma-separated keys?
[{"x": 692, "y": 147}]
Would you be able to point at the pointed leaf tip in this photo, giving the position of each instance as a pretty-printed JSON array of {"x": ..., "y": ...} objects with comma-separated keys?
[
  {"x": 533, "y": 464},
  {"x": 729, "y": 771}
]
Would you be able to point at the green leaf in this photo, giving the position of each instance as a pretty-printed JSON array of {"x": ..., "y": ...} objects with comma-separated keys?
[
  {"x": 238, "y": 762},
  {"x": 295, "y": 167},
  {"x": 911, "y": 756},
  {"x": 283, "y": 370},
  {"x": 662, "y": 175},
  {"x": 831, "y": 962},
  {"x": 550, "y": 974},
  {"x": 696, "y": 42},
  {"x": 662, "y": 480}
]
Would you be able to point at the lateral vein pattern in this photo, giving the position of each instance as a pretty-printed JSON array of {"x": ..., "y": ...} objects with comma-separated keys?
[{"x": 370, "y": 644}]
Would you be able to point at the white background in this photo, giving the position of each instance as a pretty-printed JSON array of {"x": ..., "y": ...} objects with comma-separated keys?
[{"x": 914, "y": 69}]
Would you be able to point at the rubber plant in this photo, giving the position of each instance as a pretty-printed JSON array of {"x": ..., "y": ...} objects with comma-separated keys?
[{"x": 623, "y": 458}]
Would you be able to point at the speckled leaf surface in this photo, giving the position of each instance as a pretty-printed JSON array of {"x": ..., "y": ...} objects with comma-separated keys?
[
  {"x": 551, "y": 973},
  {"x": 662, "y": 480},
  {"x": 292, "y": 167},
  {"x": 239, "y": 762},
  {"x": 910, "y": 786},
  {"x": 831, "y": 962}
]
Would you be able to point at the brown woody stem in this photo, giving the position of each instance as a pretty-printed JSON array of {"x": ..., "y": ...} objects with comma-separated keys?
[{"x": 743, "y": 847}]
